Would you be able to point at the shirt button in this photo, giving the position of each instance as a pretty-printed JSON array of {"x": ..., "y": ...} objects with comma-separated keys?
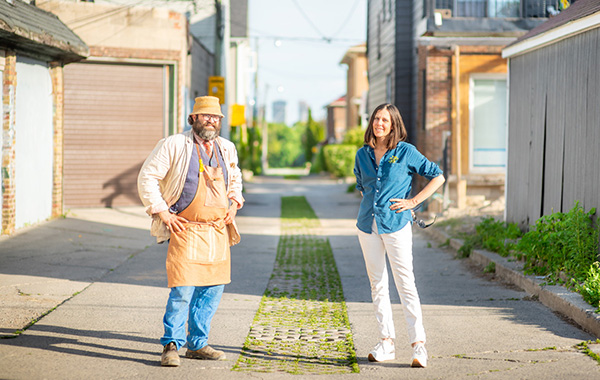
[
  {"x": 378, "y": 178},
  {"x": 375, "y": 203}
]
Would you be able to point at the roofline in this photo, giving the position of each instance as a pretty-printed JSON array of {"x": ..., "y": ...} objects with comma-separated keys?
[
  {"x": 552, "y": 36},
  {"x": 354, "y": 50}
]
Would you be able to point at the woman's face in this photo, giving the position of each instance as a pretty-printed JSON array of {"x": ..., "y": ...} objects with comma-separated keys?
[{"x": 382, "y": 124}]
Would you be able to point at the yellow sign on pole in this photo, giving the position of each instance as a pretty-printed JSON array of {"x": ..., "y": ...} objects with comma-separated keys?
[
  {"x": 238, "y": 114},
  {"x": 216, "y": 87}
]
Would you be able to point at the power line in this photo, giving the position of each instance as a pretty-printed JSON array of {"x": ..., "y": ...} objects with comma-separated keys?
[
  {"x": 347, "y": 18},
  {"x": 312, "y": 24}
]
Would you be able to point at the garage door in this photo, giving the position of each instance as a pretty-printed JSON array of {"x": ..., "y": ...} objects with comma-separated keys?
[{"x": 114, "y": 115}]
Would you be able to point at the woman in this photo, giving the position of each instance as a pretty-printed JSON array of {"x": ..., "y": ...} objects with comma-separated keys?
[{"x": 384, "y": 167}]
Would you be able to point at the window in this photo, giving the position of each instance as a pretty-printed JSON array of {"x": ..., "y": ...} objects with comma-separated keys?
[
  {"x": 488, "y": 123},
  {"x": 503, "y": 8},
  {"x": 388, "y": 88}
]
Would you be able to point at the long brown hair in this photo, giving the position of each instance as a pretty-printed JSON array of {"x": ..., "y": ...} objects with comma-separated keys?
[{"x": 397, "y": 130}]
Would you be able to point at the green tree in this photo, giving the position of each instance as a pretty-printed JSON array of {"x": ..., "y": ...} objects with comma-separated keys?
[
  {"x": 314, "y": 134},
  {"x": 285, "y": 148},
  {"x": 248, "y": 147}
]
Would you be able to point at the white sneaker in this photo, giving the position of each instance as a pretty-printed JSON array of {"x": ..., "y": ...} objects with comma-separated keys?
[
  {"x": 419, "y": 358},
  {"x": 383, "y": 351}
]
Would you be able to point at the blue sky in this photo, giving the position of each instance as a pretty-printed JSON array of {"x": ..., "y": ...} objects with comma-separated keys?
[{"x": 295, "y": 61}]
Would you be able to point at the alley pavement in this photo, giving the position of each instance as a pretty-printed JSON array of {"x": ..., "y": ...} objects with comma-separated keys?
[{"x": 99, "y": 278}]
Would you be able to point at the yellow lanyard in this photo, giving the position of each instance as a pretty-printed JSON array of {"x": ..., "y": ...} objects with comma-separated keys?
[{"x": 199, "y": 159}]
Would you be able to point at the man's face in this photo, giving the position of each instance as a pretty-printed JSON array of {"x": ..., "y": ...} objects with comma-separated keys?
[{"x": 207, "y": 127}]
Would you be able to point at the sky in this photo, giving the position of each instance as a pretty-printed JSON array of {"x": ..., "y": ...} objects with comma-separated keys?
[{"x": 300, "y": 46}]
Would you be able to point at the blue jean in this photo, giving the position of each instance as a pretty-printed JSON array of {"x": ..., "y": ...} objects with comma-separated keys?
[{"x": 196, "y": 305}]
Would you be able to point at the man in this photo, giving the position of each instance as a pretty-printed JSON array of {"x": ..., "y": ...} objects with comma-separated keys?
[{"x": 191, "y": 185}]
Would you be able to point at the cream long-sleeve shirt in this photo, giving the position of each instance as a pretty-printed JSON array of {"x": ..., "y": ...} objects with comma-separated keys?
[{"x": 161, "y": 179}]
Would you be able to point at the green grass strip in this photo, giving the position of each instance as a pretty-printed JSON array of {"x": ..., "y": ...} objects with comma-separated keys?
[{"x": 302, "y": 325}]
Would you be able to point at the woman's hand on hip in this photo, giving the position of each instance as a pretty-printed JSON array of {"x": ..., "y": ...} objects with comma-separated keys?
[
  {"x": 400, "y": 205},
  {"x": 174, "y": 223}
]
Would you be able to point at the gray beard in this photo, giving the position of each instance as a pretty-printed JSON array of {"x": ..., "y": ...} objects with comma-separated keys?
[{"x": 205, "y": 134}]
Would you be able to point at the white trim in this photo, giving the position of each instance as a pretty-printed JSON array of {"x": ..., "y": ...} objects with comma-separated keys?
[
  {"x": 472, "y": 77},
  {"x": 140, "y": 61},
  {"x": 553, "y": 35}
]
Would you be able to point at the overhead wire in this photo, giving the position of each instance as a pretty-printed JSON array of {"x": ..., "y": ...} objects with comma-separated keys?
[
  {"x": 310, "y": 22},
  {"x": 347, "y": 18}
]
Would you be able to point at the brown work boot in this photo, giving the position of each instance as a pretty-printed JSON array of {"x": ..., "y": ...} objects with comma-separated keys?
[
  {"x": 205, "y": 352},
  {"x": 170, "y": 356}
]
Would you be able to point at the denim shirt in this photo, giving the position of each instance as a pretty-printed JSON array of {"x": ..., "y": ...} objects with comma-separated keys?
[{"x": 391, "y": 179}]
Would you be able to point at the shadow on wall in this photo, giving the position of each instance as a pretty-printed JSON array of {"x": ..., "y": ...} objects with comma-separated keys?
[{"x": 124, "y": 188}]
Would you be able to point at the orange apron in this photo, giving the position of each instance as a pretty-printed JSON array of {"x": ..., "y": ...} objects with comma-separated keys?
[{"x": 199, "y": 255}]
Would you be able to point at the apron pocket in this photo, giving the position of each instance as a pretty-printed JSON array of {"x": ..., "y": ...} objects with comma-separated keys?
[{"x": 203, "y": 244}]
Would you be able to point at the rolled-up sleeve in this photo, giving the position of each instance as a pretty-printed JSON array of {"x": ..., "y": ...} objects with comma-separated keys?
[
  {"x": 153, "y": 170},
  {"x": 419, "y": 164}
]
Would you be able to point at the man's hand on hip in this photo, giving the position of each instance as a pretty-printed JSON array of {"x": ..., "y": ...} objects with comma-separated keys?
[
  {"x": 231, "y": 213},
  {"x": 173, "y": 222}
]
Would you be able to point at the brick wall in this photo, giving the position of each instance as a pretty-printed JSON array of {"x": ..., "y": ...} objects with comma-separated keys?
[
  {"x": 9, "y": 87},
  {"x": 437, "y": 85},
  {"x": 56, "y": 74}
]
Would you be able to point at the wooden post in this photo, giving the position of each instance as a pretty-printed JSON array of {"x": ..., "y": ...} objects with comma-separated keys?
[{"x": 461, "y": 183}]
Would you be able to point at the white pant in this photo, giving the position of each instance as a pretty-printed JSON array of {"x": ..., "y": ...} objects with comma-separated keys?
[{"x": 398, "y": 246}]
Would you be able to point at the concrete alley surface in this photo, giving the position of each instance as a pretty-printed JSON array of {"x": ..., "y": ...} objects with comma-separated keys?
[{"x": 106, "y": 274}]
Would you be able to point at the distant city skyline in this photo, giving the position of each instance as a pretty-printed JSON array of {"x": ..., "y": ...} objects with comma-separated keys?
[
  {"x": 300, "y": 45},
  {"x": 279, "y": 111}
]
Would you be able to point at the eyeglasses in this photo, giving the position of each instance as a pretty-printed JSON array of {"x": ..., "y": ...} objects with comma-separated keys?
[
  {"x": 213, "y": 117},
  {"x": 421, "y": 223}
]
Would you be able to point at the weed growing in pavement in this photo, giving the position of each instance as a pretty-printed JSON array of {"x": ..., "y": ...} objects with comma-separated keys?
[
  {"x": 490, "y": 268},
  {"x": 584, "y": 347},
  {"x": 302, "y": 325},
  {"x": 552, "y": 348}
]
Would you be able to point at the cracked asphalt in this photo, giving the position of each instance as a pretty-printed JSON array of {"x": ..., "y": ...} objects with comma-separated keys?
[{"x": 105, "y": 276}]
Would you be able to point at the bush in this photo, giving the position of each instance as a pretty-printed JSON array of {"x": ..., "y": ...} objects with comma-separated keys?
[
  {"x": 318, "y": 164},
  {"x": 492, "y": 235},
  {"x": 590, "y": 289},
  {"x": 355, "y": 136},
  {"x": 561, "y": 242},
  {"x": 339, "y": 159}
]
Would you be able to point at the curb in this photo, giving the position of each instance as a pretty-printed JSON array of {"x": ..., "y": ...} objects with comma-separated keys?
[{"x": 555, "y": 297}]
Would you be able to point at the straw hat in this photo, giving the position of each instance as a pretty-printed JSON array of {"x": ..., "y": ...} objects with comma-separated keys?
[{"x": 207, "y": 105}]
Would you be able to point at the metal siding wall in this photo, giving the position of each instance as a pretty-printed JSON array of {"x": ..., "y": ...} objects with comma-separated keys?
[
  {"x": 113, "y": 119},
  {"x": 567, "y": 74},
  {"x": 536, "y": 122},
  {"x": 379, "y": 68},
  {"x": 555, "y": 132},
  {"x": 34, "y": 142},
  {"x": 518, "y": 144},
  {"x": 592, "y": 148},
  {"x": 403, "y": 77},
  {"x": 571, "y": 94}
]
